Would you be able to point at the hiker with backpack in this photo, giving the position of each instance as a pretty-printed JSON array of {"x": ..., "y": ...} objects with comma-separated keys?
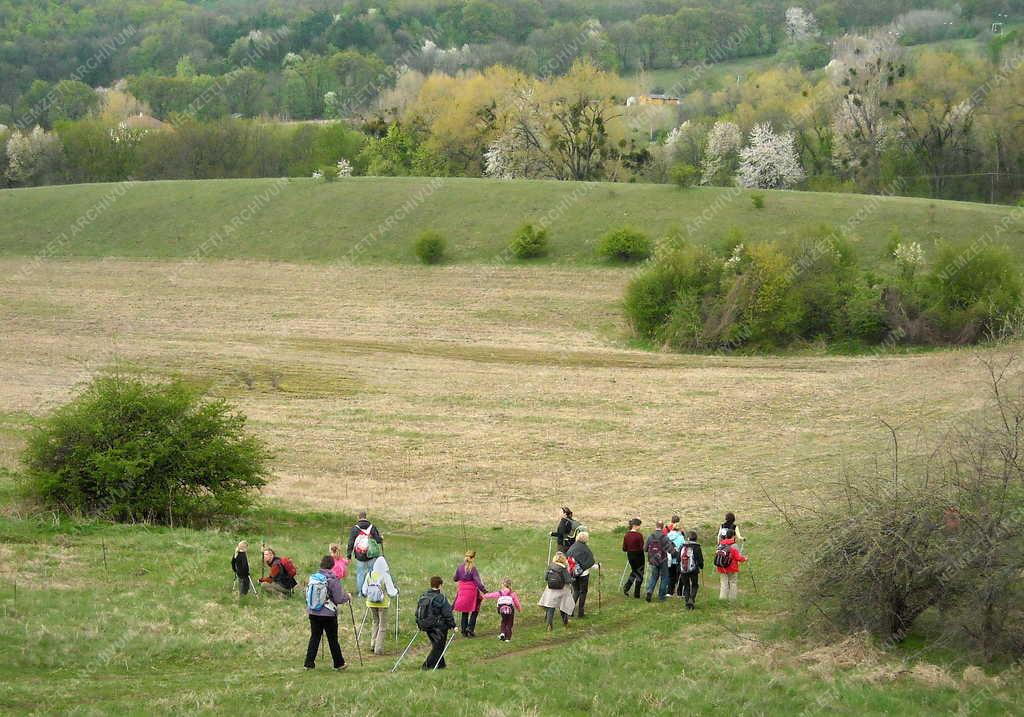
[
  {"x": 581, "y": 560},
  {"x": 633, "y": 547},
  {"x": 378, "y": 589},
  {"x": 281, "y": 580},
  {"x": 691, "y": 565},
  {"x": 659, "y": 551},
  {"x": 324, "y": 594},
  {"x": 240, "y": 567},
  {"x": 730, "y": 524},
  {"x": 557, "y": 595},
  {"x": 508, "y": 606},
  {"x": 340, "y": 568},
  {"x": 469, "y": 596},
  {"x": 727, "y": 562},
  {"x": 566, "y": 530},
  {"x": 366, "y": 545},
  {"x": 434, "y": 617},
  {"x": 677, "y": 538}
]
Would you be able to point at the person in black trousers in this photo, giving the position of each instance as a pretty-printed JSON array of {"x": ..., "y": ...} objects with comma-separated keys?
[
  {"x": 689, "y": 582},
  {"x": 240, "y": 565},
  {"x": 442, "y": 621},
  {"x": 324, "y": 621},
  {"x": 633, "y": 547}
]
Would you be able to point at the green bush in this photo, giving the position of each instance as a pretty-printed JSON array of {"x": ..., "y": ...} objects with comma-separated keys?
[
  {"x": 969, "y": 291},
  {"x": 757, "y": 199},
  {"x": 529, "y": 242},
  {"x": 684, "y": 175},
  {"x": 128, "y": 450},
  {"x": 625, "y": 245},
  {"x": 430, "y": 248}
]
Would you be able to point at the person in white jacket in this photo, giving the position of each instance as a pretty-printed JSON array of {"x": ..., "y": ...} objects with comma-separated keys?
[{"x": 378, "y": 589}]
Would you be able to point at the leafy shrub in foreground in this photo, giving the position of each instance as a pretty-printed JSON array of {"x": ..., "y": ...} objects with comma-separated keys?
[
  {"x": 129, "y": 450},
  {"x": 624, "y": 245},
  {"x": 429, "y": 248},
  {"x": 529, "y": 242}
]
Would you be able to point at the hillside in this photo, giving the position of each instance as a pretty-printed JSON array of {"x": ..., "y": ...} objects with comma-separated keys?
[{"x": 301, "y": 220}]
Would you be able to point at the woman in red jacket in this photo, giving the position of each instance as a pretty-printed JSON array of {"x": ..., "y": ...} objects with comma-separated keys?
[{"x": 728, "y": 567}]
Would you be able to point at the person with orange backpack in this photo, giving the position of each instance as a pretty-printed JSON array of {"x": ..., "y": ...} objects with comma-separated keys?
[
  {"x": 366, "y": 545},
  {"x": 281, "y": 580}
]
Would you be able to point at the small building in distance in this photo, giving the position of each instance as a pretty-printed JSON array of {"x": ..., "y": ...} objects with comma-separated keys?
[{"x": 658, "y": 99}]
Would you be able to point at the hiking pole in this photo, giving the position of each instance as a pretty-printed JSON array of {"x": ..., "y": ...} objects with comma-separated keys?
[
  {"x": 398, "y": 613},
  {"x": 362, "y": 622},
  {"x": 450, "y": 641},
  {"x": 622, "y": 580},
  {"x": 549, "y": 551},
  {"x": 253, "y": 586},
  {"x": 352, "y": 614},
  {"x": 402, "y": 656},
  {"x": 600, "y": 574},
  {"x": 750, "y": 572}
]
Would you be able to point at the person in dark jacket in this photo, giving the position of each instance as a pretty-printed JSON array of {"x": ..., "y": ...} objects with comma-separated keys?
[
  {"x": 441, "y": 609},
  {"x": 583, "y": 557},
  {"x": 658, "y": 556},
  {"x": 362, "y": 566},
  {"x": 633, "y": 547},
  {"x": 690, "y": 581},
  {"x": 325, "y": 620},
  {"x": 564, "y": 531},
  {"x": 240, "y": 566}
]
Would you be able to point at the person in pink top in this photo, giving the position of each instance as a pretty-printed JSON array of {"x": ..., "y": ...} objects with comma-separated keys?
[
  {"x": 467, "y": 599},
  {"x": 340, "y": 568},
  {"x": 508, "y": 606}
]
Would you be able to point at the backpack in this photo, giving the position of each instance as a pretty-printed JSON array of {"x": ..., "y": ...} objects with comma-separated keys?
[
  {"x": 687, "y": 560},
  {"x": 656, "y": 551},
  {"x": 317, "y": 595},
  {"x": 575, "y": 569},
  {"x": 723, "y": 556},
  {"x": 426, "y": 616},
  {"x": 555, "y": 577},
  {"x": 365, "y": 547},
  {"x": 506, "y": 606},
  {"x": 373, "y": 592},
  {"x": 576, "y": 527},
  {"x": 288, "y": 578}
]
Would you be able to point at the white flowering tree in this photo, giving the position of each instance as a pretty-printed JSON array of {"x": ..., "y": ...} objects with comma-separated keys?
[
  {"x": 33, "y": 157},
  {"x": 801, "y": 25},
  {"x": 770, "y": 160},
  {"x": 721, "y": 153}
]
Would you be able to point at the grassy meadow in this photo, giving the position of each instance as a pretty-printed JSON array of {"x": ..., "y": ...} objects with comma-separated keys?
[{"x": 461, "y": 404}]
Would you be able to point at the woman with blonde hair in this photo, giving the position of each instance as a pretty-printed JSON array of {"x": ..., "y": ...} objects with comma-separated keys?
[
  {"x": 557, "y": 594},
  {"x": 470, "y": 594},
  {"x": 340, "y": 568},
  {"x": 240, "y": 566}
]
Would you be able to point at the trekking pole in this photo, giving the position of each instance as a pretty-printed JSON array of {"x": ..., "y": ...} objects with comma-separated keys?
[
  {"x": 622, "y": 580},
  {"x": 600, "y": 574},
  {"x": 402, "y": 656},
  {"x": 398, "y": 613},
  {"x": 450, "y": 641},
  {"x": 352, "y": 614},
  {"x": 362, "y": 622},
  {"x": 750, "y": 572},
  {"x": 549, "y": 552}
]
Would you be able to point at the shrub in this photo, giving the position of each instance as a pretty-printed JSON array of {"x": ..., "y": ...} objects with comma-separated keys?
[
  {"x": 757, "y": 199},
  {"x": 969, "y": 291},
  {"x": 126, "y": 449},
  {"x": 684, "y": 175},
  {"x": 429, "y": 248},
  {"x": 529, "y": 242},
  {"x": 625, "y": 245}
]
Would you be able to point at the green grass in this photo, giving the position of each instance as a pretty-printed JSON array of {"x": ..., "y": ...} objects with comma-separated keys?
[
  {"x": 315, "y": 222},
  {"x": 104, "y": 619}
]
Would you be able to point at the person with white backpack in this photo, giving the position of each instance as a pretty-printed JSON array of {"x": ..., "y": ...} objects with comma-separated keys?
[
  {"x": 378, "y": 589},
  {"x": 323, "y": 596},
  {"x": 366, "y": 545}
]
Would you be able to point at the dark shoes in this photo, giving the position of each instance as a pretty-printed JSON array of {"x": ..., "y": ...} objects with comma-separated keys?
[{"x": 648, "y": 597}]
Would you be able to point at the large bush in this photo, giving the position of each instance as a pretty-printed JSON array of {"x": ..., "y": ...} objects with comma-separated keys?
[
  {"x": 624, "y": 245},
  {"x": 429, "y": 247},
  {"x": 530, "y": 242},
  {"x": 771, "y": 295},
  {"x": 126, "y": 449}
]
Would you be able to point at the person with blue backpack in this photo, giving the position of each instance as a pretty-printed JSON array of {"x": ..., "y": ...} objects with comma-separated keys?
[{"x": 324, "y": 594}]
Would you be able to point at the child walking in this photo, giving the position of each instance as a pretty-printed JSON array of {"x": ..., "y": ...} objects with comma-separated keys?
[
  {"x": 508, "y": 606},
  {"x": 240, "y": 566}
]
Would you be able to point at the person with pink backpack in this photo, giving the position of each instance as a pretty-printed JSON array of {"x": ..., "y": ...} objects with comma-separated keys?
[{"x": 508, "y": 606}]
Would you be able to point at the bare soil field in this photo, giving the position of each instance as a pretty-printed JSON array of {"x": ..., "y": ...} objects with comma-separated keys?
[{"x": 468, "y": 391}]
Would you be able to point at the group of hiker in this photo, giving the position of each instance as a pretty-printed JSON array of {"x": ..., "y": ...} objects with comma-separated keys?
[{"x": 673, "y": 556}]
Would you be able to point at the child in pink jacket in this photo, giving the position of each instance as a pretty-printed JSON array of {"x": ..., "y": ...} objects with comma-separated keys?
[{"x": 508, "y": 606}]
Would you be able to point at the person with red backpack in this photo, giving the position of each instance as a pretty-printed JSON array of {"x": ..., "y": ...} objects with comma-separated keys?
[
  {"x": 366, "y": 545},
  {"x": 727, "y": 561},
  {"x": 281, "y": 580}
]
